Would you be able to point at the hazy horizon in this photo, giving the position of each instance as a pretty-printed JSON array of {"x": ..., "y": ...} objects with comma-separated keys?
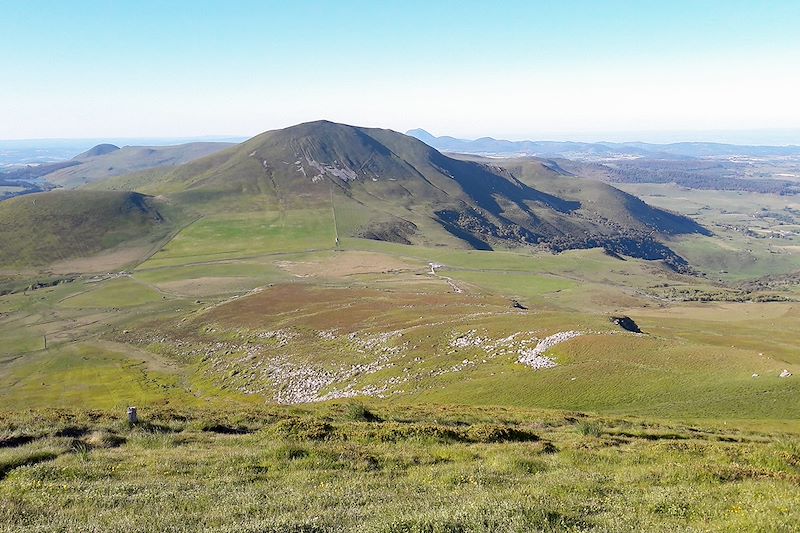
[{"x": 767, "y": 137}]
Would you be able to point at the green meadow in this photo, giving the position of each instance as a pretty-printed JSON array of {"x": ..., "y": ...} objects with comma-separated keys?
[
  {"x": 375, "y": 467},
  {"x": 684, "y": 427}
]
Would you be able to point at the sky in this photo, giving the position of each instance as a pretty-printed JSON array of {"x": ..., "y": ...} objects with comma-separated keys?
[{"x": 569, "y": 69}]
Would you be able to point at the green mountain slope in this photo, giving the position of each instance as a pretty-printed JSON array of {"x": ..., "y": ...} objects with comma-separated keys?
[
  {"x": 39, "y": 229},
  {"x": 398, "y": 188}
]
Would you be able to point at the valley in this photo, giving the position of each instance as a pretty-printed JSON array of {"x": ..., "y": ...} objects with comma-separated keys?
[{"x": 200, "y": 284}]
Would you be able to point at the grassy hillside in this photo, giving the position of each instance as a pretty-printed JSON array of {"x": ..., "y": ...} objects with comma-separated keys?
[
  {"x": 399, "y": 186},
  {"x": 379, "y": 468},
  {"x": 601, "y": 200},
  {"x": 457, "y": 320},
  {"x": 40, "y": 229},
  {"x": 453, "y": 335}
]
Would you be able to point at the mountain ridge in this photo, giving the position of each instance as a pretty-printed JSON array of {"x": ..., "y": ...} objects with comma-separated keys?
[
  {"x": 591, "y": 150},
  {"x": 391, "y": 178},
  {"x": 106, "y": 160}
]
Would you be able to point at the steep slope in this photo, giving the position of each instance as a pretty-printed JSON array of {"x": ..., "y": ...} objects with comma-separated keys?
[
  {"x": 598, "y": 200},
  {"x": 39, "y": 229},
  {"x": 107, "y": 160},
  {"x": 397, "y": 180}
]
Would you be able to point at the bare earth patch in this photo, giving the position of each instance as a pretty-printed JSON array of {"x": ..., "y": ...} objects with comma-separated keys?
[
  {"x": 110, "y": 261},
  {"x": 343, "y": 264},
  {"x": 206, "y": 285},
  {"x": 792, "y": 249},
  {"x": 720, "y": 312}
]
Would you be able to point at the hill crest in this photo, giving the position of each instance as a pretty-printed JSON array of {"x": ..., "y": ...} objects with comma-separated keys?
[
  {"x": 390, "y": 177},
  {"x": 100, "y": 149}
]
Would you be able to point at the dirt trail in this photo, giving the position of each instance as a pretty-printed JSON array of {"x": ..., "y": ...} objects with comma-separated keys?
[{"x": 453, "y": 285}]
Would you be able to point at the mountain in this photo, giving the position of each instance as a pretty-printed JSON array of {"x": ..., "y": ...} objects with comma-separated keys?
[
  {"x": 39, "y": 229},
  {"x": 600, "y": 150},
  {"x": 400, "y": 189},
  {"x": 107, "y": 160}
]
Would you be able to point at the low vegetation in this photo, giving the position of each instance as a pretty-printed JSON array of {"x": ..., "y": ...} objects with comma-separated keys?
[{"x": 352, "y": 467}]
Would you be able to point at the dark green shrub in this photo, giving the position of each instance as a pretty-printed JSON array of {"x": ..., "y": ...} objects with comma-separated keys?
[
  {"x": 589, "y": 428},
  {"x": 303, "y": 429},
  {"x": 359, "y": 413},
  {"x": 498, "y": 433}
]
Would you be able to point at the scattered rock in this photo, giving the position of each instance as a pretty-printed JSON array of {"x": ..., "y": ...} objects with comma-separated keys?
[
  {"x": 468, "y": 339},
  {"x": 535, "y": 357},
  {"x": 327, "y": 334}
]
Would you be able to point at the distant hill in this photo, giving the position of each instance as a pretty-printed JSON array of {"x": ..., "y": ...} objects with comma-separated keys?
[
  {"x": 598, "y": 200},
  {"x": 100, "y": 149},
  {"x": 599, "y": 150},
  {"x": 107, "y": 160},
  {"x": 98, "y": 163},
  {"x": 398, "y": 185},
  {"x": 35, "y": 172},
  {"x": 39, "y": 229},
  {"x": 41, "y": 151},
  {"x": 708, "y": 174}
]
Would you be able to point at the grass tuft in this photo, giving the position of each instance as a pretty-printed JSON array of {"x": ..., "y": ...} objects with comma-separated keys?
[{"x": 589, "y": 428}]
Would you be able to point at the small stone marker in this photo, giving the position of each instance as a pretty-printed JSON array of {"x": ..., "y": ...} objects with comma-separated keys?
[{"x": 133, "y": 418}]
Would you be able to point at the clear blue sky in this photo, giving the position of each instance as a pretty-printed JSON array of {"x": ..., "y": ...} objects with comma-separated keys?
[{"x": 507, "y": 69}]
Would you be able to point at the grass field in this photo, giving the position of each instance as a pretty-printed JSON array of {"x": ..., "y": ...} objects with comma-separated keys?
[
  {"x": 179, "y": 302},
  {"x": 685, "y": 427},
  {"x": 237, "y": 236},
  {"x": 350, "y": 467},
  {"x": 122, "y": 292},
  {"x": 754, "y": 234}
]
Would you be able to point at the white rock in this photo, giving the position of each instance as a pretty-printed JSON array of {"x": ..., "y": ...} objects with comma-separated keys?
[
  {"x": 785, "y": 374},
  {"x": 535, "y": 357}
]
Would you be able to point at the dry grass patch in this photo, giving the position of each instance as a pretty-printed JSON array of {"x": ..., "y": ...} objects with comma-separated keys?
[{"x": 349, "y": 263}]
